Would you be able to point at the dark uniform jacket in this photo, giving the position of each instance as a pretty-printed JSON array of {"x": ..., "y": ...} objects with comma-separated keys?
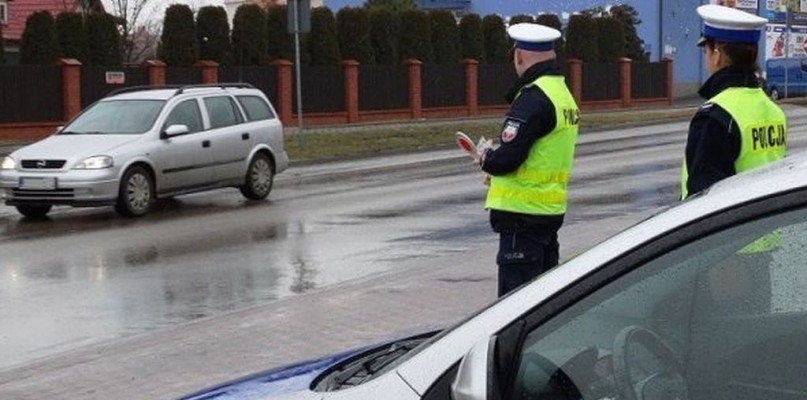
[
  {"x": 535, "y": 116},
  {"x": 714, "y": 141}
]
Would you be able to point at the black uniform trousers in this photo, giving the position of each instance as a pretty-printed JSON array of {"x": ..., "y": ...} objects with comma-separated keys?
[{"x": 523, "y": 255}]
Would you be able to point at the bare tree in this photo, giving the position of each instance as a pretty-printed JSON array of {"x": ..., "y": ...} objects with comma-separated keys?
[{"x": 138, "y": 25}]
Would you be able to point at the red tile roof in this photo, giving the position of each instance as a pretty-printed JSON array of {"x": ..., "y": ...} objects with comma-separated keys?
[{"x": 19, "y": 10}]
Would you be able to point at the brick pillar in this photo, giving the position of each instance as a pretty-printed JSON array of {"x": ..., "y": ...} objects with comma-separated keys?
[
  {"x": 576, "y": 79},
  {"x": 669, "y": 63},
  {"x": 351, "y": 90},
  {"x": 625, "y": 80},
  {"x": 156, "y": 71},
  {"x": 210, "y": 71},
  {"x": 415, "y": 90},
  {"x": 71, "y": 87},
  {"x": 471, "y": 85},
  {"x": 285, "y": 94}
]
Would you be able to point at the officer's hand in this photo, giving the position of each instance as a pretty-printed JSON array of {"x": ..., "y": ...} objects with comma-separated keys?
[{"x": 486, "y": 180}]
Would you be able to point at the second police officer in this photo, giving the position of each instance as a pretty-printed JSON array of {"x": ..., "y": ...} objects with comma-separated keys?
[
  {"x": 530, "y": 168},
  {"x": 738, "y": 128}
]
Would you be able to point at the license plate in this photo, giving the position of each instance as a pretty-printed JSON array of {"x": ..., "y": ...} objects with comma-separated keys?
[{"x": 38, "y": 183}]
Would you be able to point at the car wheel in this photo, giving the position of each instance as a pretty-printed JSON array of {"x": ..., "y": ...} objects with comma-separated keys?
[
  {"x": 34, "y": 211},
  {"x": 260, "y": 175},
  {"x": 136, "y": 193},
  {"x": 775, "y": 94}
]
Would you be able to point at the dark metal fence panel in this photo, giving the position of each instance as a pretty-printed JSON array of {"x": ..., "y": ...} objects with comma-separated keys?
[
  {"x": 383, "y": 87},
  {"x": 94, "y": 86},
  {"x": 30, "y": 93},
  {"x": 443, "y": 85},
  {"x": 648, "y": 80},
  {"x": 494, "y": 80},
  {"x": 263, "y": 78},
  {"x": 183, "y": 76},
  {"x": 600, "y": 82},
  {"x": 323, "y": 89}
]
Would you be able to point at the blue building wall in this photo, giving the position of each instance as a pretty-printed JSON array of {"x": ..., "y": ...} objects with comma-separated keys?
[{"x": 669, "y": 28}]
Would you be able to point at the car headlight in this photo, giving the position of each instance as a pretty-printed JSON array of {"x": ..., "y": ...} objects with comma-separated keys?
[
  {"x": 7, "y": 163},
  {"x": 96, "y": 162}
]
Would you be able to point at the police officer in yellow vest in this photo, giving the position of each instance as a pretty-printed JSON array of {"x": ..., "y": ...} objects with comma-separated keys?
[
  {"x": 530, "y": 168},
  {"x": 739, "y": 128}
]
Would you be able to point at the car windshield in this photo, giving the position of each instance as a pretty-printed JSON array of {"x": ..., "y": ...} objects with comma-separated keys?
[{"x": 116, "y": 117}]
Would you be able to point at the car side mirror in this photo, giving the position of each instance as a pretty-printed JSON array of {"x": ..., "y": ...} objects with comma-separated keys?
[
  {"x": 175, "y": 130},
  {"x": 473, "y": 380}
]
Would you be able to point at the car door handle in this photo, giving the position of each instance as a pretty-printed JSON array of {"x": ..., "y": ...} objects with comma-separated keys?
[
  {"x": 206, "y": 144},
  {"x": 245, "y": 136}
]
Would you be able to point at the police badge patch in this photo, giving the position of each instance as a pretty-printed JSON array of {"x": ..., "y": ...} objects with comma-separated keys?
[{"x": 510, "y": 130}]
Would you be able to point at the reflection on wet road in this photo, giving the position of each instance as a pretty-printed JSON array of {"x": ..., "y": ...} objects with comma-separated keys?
[{"x": 88, "y": 275}]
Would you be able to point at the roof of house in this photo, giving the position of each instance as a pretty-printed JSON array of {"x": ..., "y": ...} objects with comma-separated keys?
[{"x": 19, "y": 10}]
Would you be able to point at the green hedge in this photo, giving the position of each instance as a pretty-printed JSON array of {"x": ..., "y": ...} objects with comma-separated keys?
[
  {"x": 472, "y": 39},
  {"x": 250, "y": 37},
  {"x": 72, "y": 36},
  {"x": 323, "y": 45},
  {"x": 582, "y": 38},
  {"x": 39, "y": 45},
  {"x": 384, "y": 35},
  {"x": 213, "y": 34},
  {"x": 497, "y": 46},
  {"x": 415, "y": 37},
  {"x": 611, "y": 39},
  {"x": 445, "y": 37},
  {"x": 353, "y": 28},
  {"x": 179, "y": 37},
  {"x": 103, "y": 40}
]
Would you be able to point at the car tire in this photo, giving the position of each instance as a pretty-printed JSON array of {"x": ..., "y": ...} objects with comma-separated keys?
[
  {"x": 259, "y": 179},
  {"x": 34, "y": 211},
  {"x": 136, "y": 194},
  {"x": 775, "y": 94}
]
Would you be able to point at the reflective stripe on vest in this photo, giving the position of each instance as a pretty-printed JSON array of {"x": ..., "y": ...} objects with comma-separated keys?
[
  {"x": 762, "y": 125},
  {"x": 539, "y": 185}
]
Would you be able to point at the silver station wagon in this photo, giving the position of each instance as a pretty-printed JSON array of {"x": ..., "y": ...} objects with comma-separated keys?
[{"x": 143, "y": 143}]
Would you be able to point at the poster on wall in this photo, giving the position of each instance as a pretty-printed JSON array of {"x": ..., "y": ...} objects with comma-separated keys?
[
  {"x": 798, "y": 16},
  {"x": 776, "y": 40},
  {"x": 746, "y": 5}
]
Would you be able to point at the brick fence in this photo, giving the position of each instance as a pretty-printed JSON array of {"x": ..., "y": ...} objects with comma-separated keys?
[{"x": 209, "y": 74}]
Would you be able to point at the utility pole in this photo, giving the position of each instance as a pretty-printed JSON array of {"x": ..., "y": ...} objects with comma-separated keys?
[
  {"x": 787, "y": 48},
  {"x": 299, "y": 21}
]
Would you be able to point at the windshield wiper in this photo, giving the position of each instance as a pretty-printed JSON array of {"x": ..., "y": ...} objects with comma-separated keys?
[
  {"x": 367, "y": 367},
  {"x": 82, "y": 133}
]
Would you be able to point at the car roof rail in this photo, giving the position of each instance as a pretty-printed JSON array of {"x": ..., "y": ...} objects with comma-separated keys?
[
  {"x": 215, "y": 85},
  {"x": 141, "y": 87}
]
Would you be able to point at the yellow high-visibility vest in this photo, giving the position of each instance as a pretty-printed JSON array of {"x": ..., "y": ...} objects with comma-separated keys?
[
  {"x": 762, "y": 125},
  {"x": 539, "y": 185}
]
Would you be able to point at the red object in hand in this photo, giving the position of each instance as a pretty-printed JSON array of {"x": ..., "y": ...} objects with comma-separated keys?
[{"x": 466, "y": 144}]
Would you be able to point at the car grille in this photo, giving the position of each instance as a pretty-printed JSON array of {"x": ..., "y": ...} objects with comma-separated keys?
[
  {"x": 43, "y": 164},
  {"x": 27, "y": 194}
]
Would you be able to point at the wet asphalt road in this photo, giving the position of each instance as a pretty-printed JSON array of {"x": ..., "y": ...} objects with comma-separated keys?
[{"x": 86, "y": 276}]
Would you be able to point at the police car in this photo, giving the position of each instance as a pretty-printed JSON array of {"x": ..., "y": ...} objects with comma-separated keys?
[{"x": 685, "y": 305}]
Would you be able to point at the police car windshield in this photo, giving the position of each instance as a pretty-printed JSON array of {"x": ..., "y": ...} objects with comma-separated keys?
[{"x": 116, "y": 117}]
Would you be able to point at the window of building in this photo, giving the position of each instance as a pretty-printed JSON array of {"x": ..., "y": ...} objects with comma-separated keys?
[{"x": 3, "y": 12}]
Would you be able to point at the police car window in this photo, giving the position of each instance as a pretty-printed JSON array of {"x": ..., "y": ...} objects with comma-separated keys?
[
  {"x": 186, "y": 113},
  {"x": 221, "y": 111},
  {"x": 722, "y": 317},
  {"x": 256, "y": 108}
]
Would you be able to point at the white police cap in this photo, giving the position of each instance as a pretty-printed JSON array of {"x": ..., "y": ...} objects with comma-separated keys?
[
  {"x": 533, "y": 37},
  {"x": 726, "y": 24}
]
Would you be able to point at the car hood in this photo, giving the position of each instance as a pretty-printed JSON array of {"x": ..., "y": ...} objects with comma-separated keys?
[
  {"x": 73, "y": 147},
  {"x": 276, "y": 382}
]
